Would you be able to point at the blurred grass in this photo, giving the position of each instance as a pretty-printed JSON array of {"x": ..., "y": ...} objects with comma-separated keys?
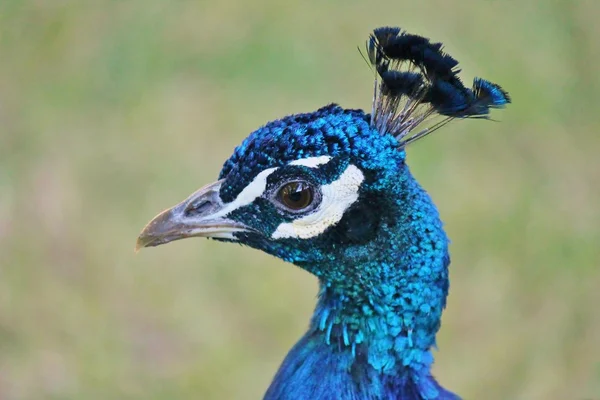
[{"x": 112, "y": 111}]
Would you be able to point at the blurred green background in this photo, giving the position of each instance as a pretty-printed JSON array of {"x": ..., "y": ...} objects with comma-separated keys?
[{"x": 111, "y": 111}]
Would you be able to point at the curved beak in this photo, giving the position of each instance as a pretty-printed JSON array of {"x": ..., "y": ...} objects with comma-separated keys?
[{"x": 202, "y": 215}]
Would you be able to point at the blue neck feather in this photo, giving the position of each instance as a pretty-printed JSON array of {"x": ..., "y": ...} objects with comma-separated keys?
[{"x": 373, "y": 341}]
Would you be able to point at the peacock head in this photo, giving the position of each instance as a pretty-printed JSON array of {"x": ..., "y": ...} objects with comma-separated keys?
[
  {"x": 313, "y": 189},
  {"x": 329, "y": 190}
]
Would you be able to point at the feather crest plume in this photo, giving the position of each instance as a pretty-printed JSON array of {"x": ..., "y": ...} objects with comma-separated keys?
[{"x": 415, "y": 82}]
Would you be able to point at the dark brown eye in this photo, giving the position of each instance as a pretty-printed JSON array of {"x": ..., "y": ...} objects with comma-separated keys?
[{"x": 295, "y": 195}]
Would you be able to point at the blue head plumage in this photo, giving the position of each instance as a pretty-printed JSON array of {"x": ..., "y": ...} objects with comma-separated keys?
[{"x": 330, "y": 191}]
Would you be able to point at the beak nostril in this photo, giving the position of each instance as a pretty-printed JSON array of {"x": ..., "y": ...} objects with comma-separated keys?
[
  {"x": 202, "y": 202},
  {"x": 198, "y": 208}
]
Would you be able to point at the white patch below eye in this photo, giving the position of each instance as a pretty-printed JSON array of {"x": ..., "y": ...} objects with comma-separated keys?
[
  {"x": 337, "y": 197},
  {"x": 311, "y": 162}
]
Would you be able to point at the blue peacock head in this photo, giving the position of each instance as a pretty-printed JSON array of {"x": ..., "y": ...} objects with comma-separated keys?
[{"x": 329, "y": 188}]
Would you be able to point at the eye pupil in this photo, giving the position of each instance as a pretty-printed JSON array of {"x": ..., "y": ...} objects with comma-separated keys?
[{"x": 296, "y": 195}]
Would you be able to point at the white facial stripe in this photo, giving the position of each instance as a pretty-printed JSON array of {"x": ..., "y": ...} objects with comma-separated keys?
[
  {"x": 250, "y": 193},
  {"x": 337, "y": 197},
  {"x": 311, "y": 162},
  {"x": 258, "y": 185}
]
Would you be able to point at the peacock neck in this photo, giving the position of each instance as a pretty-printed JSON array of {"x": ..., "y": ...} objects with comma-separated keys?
[
  {"x": 393, "y": 333},
  {"x": 379, "y": 309},
  {"x": 374, "y": 350}
]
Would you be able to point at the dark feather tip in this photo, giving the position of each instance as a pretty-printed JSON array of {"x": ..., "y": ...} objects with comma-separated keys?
[
  {"x": 437, "y": 63},
  {"x": 490, "y": 94},
  {"x": 384, "y": 34},
  {"x": 405, "y": 46},
  {"x": 449, "y": 98},
  {"x": 388, "y": 44}
]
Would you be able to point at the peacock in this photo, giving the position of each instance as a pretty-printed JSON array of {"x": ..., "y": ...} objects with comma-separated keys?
[{"x": 330, "y": 191}]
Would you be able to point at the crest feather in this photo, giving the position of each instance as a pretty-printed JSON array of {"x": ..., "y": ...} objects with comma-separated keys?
[{"x": 416, "y": 81}]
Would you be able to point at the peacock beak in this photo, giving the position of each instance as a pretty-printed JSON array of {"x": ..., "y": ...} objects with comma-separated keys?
[{"x": 202, "y": 214}]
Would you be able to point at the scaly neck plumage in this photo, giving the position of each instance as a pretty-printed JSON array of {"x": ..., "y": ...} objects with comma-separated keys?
[
  {"x": 377, "y": 316},
  {"x": 344, "y": 358}
]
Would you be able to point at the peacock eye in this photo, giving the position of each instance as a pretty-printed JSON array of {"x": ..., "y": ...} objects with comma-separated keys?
[{"x": 296, "y": 195}]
